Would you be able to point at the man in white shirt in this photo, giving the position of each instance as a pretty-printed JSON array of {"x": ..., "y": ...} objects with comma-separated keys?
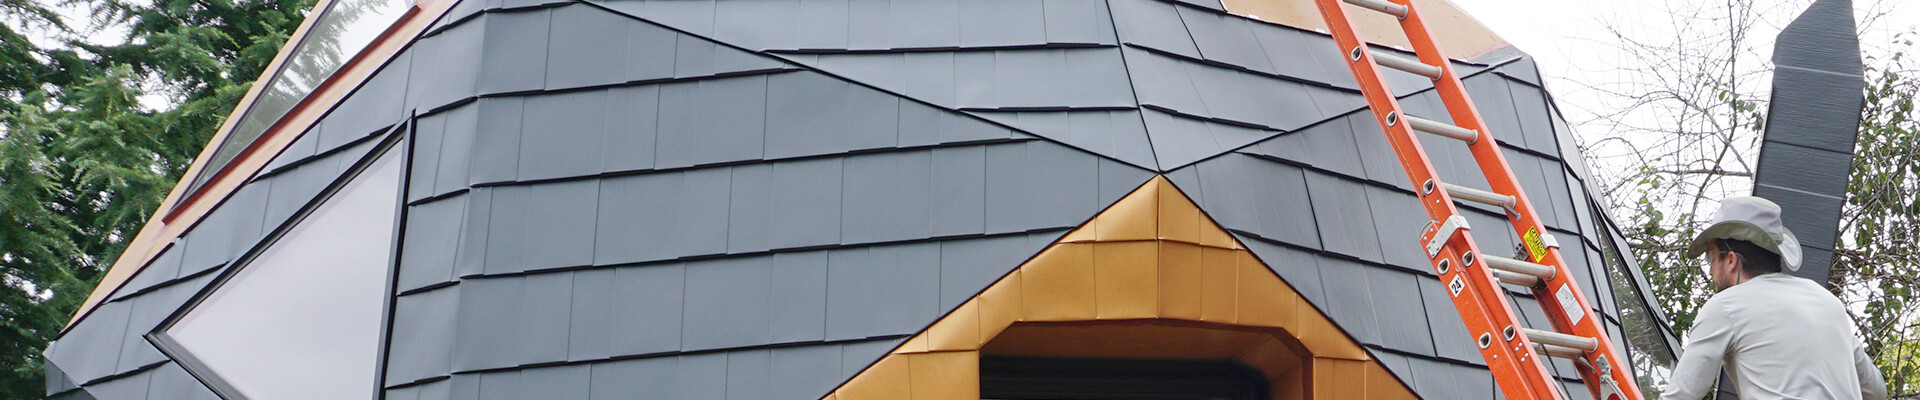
[{"x": 1777, "y": 336}]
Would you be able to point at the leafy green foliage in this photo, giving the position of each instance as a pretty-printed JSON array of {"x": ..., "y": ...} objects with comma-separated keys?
[
  {"x": 1877, "y": 267},
  {"x": 84, "y": 163}
]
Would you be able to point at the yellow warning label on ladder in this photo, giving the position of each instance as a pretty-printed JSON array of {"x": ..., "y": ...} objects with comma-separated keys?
[{"x": 1536, "y": 249}]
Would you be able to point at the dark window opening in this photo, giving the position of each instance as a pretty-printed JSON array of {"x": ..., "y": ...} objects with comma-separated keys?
[{"x": 1021, "y": 378}]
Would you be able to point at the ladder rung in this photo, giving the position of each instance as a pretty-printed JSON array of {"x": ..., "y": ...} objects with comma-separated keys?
[
  {"x": 1396, "y": 10},
  {"x": 1558, "y": 351},
  {"x": 1516, "y": 278},
  {"x": 1584, "y": 344},
  {"x": 1520, "y": 267},
  {"x": 1411, "y": 66},
  {"x": 1479, "y": 196},
  {"x": 1442, "y": 129}
]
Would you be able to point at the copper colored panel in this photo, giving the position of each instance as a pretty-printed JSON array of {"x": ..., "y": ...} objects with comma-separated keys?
[
  {"x": 945, "y": 375},
  {"x": 1220, "y": 293},
  {"x": 1383, "y": 386},
  {"x": 1058, "y": 284},
  {"x": 1281, "y": 355},
  {"x": 1181, "y": 281},
  {"x": 1327, "y": 341},
  {"x": 887, "y": 379},
  {"x": 1179, "y": 219},
  {"x": 1126, "y": 280},
  {"x": 1339, "y": 379},
  {"x": 1292, "y": 385},
  {"x": 1083, "y": 234},
  {"x": 1131, "y": 218},
  {"x": 1001, "y": 305},
  {"x": 918, "y": 344},
  {"x": 960, "y": 330},
  {"x": 1265, "y": 300}
]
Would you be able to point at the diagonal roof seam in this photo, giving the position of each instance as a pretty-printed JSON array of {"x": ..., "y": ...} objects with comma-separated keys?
[{"x": 862, "y": 84}]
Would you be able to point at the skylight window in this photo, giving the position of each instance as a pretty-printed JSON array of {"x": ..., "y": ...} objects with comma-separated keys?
[
  {"x": 303, "y": 319},
  {"x": 342, "y": 31}
]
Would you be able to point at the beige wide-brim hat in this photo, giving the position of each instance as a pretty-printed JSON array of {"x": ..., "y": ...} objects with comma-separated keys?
[{"x": 1755, "y": 220}]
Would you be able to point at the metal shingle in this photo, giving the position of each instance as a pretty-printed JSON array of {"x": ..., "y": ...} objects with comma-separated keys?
[
  {"x": 728, "y": 303},
  {"x": 562, "y": 135},
  {"x": 419, "y": 343},
  {"x": 514, "y": 51}
]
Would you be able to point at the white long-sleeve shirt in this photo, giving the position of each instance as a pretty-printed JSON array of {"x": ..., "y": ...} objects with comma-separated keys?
[{"x": 1778, "y": 337}]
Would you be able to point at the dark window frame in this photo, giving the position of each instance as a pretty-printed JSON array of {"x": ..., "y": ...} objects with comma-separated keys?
[
  {"x": 396, "y": 138},
  {"x": 1005, "y": 377}
]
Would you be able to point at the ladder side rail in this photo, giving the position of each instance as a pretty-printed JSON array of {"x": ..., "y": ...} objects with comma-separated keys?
[
  {"x": 1501, "y": 179},
  {"x": 1481, "y": 302}
]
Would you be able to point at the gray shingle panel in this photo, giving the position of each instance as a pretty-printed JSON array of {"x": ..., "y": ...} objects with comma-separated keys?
[
  {"x": 1006, "y": 202},
  {"x": 756, "y": 25},
  {"x": 809, "y": 212},
  {"x": 423, "y": 335},
  {"x": 209, "y": 242},
  {"x": 625, "y": 378},
  {"x": 1805, "y": 169},
  {"x": 635, "y": 216},
  {"x": 124, "y": 387},
  {"x": 881, "y": 290},
  {"x": 1815, "y": 104},
  {"x": 424, "y": 164},
  {"x": 701, "y": 215},
  {"x": 500, "y": 385},
  {"x": 630, "y": 127},
  {"x": 1300, "y": 269},
  {"x": 376, "y": 104},
  {"x": 164, "y": 267},
  {"x": 57, "y": 380},
  {"x": 470, "y": 258},
  {"x": 432, "y": 238},
  {"x": 507, "y": 228},
  {"x": 560, "y": 224},
  {"x": 1061, "y": 182},
  {"x": 827, "y": 27},
  {"x": 1376, "y": 154},
  {"x": 867, "y": 26},
  {"x": 969, "y": 266},
  {"x": 1400, "y": 310},
  {"x": 812, "y": 114},
  {"x": 1397, "y": 218},
  {"x": 1224, "y": 38},
  {"x": 456, "y": 150},
  {"x": 728, "y": 303},
  {"x": 647, "y": 309},
  {"x": 1178, "y": 141},
  {"x": 924, "y": 24},
  {"x": 1152, "y": 24},
  {"x": 1492, "y": 232},
  {"x": 1266, "y": 198},
  {"x": 1530, "y": 104},
  {"x": 1440, "y": 380},
  {"x": 693, "y": 57},
  {"x": 561, "y": 134},
  {"x": 1802, "y": 206},
  {"x": 1120, "y": 134},
  {"x": 1564, "y": 215},
  {"x": 1492, "y": 98},
  {"x": 1001, "y": 23},
  {"x": 464, "y": 387},
  {"x": 646, "y": 55},
  {"x": 488, "y": 321},
  {"x": 1528, "y": 171},
  {"x": 1450, "y": 337},
  {"x": 1076, "y": 21},
  {"x": 546, "y": 304},
  {"x": 855, "y": 357},
  {"x": 436, "y": 390},
  {"x": 808, "y": 372},
  {"x": 148, "y": 310},
  {"x": 1163, "y": 81},
  {"x": 1341, "y": 211},
  {"x": 934, "y": 80},
  {"x": 557, "y": 382},
  {"x": 1349, "y": 301},
  {"x": 582, "y": 42},
  {"x": 747, "y": 374},
  {"x": 700, "y": 377},
  {"x": 172, "y": 382},
  {"x": 959, "y": 190},
  {"x": 888, "y": 196},
  {"x": 590, "y": 332},
  {"x": 1303, "y": 55},
  {"x": 514, "y": 49},
  {"x": 1119, "y": 179},
  {"x": 749, "y": 208},
  {"x": 91, "y": 348},
  {"x": 496, "y": 139},
  {"x": 446, "y": 66},
  {"x": 799, "y": 297},
  {"x": 711, "y": 121}
]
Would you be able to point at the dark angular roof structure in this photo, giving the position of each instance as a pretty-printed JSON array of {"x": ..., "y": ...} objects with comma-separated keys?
[{"x": 730, "y": 199}]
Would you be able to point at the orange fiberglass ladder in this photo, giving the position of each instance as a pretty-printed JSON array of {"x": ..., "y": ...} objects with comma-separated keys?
[{"x": 1513, "y": 352}]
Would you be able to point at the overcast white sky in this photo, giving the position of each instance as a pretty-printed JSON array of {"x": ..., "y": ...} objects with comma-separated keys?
[{"x": 1570, "y": 41}]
